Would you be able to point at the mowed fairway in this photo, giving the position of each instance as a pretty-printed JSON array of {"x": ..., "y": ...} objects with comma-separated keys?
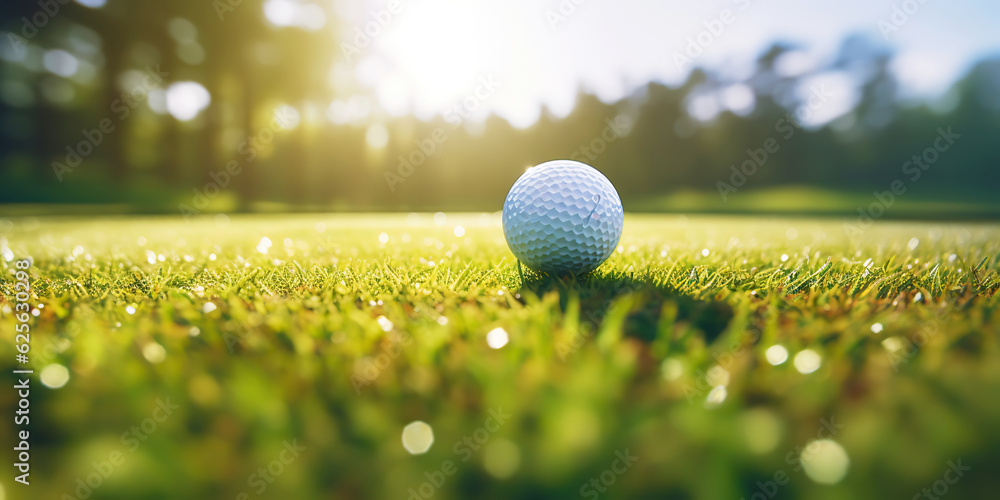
[{"x": 333, "y": 332}]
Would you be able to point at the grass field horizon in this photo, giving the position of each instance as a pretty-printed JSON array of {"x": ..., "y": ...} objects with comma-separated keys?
[
  {"x": 729, "y": 356},
  {"x": 770, "y": 201}
]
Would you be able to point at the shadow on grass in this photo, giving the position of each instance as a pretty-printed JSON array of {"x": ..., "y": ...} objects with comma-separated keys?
[{"x": 599, "y": 294}]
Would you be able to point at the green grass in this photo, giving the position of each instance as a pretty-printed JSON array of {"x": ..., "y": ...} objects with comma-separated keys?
[
  {"x": 337, "y": 340},
  {"x": 820, "y": 201}
]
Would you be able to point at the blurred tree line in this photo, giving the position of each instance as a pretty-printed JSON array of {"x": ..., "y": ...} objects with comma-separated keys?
[{"x": 270, "y": 130}]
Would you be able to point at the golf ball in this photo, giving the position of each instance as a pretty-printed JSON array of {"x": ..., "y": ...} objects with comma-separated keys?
[{"x": 562, "y": 217}]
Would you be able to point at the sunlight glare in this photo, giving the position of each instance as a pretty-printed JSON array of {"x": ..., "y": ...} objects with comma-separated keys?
[
  {"x": 435, "y": 54},
  {"x": 186, "y": 99},
  {"x": 281, "y": 12},
  {"x": 377, "y": 136}
]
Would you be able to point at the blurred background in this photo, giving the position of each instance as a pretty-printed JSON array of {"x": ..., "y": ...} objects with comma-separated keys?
[{"x": 299, "y": 105}]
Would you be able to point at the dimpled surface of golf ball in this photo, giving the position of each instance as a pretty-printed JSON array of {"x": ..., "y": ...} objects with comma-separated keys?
[{"x": 562, "y": 217}]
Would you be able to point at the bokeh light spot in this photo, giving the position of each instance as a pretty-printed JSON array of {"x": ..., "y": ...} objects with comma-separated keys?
[
  {"x": 418, "y": 437},
  {"x": 54, "y": 376},
  {"x": 825, "y": 461}
]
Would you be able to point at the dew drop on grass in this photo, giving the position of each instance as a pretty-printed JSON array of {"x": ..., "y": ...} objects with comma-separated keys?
[
  {"x": 384, "y": 323},
  {"x": 54, "y": 376},
  {"x": 501, "y": 458},
  {"x": 418, "y": 437},
  {"x": 716, "y": 396},
  {"x": 825, "y": 461},
  {"x": 892, "y": 344},
  {"x": 264, "y": 245},
  {"x": 776, "y": 354},
  {"x": 497, "y": 338},
  {"x": 154, "y": 353},
  {"x": 807, "y": 361},
  {"x": 672, "y": 369}
]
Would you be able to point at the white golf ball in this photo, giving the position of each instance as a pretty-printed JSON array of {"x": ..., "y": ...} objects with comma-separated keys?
[{"x": 562, "y": 217}]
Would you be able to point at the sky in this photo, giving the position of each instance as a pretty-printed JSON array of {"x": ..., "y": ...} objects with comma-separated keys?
[{"x": 430, "y": 55}]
